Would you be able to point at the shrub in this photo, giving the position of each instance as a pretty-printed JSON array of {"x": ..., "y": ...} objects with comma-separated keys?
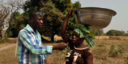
[
  {"x": 114, "y": 38},
  {"x": 121, "y": 49},
  {"x": 114, "y": 52},
  {"x": 126, "y": 60},
  {"x": 91, "y": 36},
  {"x": 9, "y": 33},
  {"x": 100, "y": 45},
  {"x": 6, "y": 39},
  {"x": 2, "y": 41}
]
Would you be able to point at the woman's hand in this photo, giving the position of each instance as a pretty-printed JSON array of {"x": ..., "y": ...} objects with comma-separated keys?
[{"x": 69, "y": 12}]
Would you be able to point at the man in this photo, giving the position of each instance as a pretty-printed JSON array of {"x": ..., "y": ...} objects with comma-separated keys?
[{"x": 31, "y": 50}]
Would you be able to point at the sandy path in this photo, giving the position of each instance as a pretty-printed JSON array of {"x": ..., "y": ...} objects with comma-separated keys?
[{"x": 6, "y": 47}]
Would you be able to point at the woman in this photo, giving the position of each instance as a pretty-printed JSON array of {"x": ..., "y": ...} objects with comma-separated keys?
[{"x": 78, "y": 53}]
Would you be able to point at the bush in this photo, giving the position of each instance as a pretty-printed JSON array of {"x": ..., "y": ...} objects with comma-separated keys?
[
  {"x": 121, "y": 49},
  {"x": 91, "y": 36},
  {"x": 114, "y": 38},
  {"x": 126, "y": 60},
  {"x": 2, "y": 41},
  {"x": 9, "y": 33},
  {"x": 6, "y": 39},
  {"x": 114, "y": 52}
]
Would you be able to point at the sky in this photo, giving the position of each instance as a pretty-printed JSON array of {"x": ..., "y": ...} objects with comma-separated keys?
[{"x": 120, "y": 20}]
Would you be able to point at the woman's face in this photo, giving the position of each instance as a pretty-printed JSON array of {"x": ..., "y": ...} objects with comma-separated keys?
[{"x": 76, "y": 38}]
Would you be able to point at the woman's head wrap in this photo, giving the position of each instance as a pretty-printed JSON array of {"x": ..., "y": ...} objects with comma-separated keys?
[{"x": 84, "y": 32}]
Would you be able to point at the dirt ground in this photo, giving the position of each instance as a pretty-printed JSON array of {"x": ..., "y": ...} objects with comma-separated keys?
[{"x": 102, "y": 52}]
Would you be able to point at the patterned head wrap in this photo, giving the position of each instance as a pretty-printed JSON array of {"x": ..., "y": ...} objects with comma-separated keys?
[{"x": 84, "y": 32}]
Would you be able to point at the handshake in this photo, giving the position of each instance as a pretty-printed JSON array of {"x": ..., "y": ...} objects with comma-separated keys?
[{"x": 60, "y": 46}]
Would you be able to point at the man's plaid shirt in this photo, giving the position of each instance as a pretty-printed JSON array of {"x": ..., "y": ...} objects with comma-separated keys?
[{"x": 30, "y": 48}]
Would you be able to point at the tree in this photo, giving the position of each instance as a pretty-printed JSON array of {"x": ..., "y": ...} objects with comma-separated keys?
[
  {"x": 110, "y": 33},
  {"x": 15, "y": 6},
  {"x": 6, "y": 12},
  {"x": 76, "y": 5},
  {"x": 115, "y": 33},
  {"x": 20, "y": 21},
  {"x": 54, "y": 14},
  {"x": 52, "y": 19},
  {"x": 98, "y": 32},
  {"x": 127, "y": 33},
  {"x": 12, "y": 32}
]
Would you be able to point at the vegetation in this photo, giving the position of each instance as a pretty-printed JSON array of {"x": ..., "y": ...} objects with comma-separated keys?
[
  {"x": 7, "y": 13},
  {"x": 115, "y": 33},
  {"x": 105, "y": 51},
  {"x": 101, "y": 53},
  {"x": 117, "y": 52},
  {"x": 54, "y": 14}
]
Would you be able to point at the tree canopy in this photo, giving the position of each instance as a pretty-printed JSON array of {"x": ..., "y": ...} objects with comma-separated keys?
[
  {"x": 115, "y": 33},
  {"x": 54, "y": 14}
]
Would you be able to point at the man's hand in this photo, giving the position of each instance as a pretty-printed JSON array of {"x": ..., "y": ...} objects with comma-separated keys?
[
  {"x": 60, "y": 46},
  {"x": 45, "y": 61}
]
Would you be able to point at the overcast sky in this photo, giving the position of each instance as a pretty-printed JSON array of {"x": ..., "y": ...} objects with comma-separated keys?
[{"x": 120, "y": 20}]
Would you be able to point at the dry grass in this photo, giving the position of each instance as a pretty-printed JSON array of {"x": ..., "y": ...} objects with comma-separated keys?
[
  {"x": 7, "y": 56},
  {"x": 100, "y": 52},
  {"x": 5, "y": 44},
  {"x": 102, "y": 48}
]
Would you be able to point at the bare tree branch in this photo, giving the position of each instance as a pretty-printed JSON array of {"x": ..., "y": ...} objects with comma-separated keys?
[
  {"x": 8, "y": 10},
  {"x": 17, "y": 5}
]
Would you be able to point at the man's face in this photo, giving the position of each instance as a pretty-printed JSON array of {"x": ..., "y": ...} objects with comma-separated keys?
[{"x": 38, "y": 21}]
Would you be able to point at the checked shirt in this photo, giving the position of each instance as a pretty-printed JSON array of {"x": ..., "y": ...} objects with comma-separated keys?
[{"x": 30, "y": 48}]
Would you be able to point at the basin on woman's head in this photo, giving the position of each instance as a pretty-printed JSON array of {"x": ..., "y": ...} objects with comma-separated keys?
[{"x": 94, "y": 17}]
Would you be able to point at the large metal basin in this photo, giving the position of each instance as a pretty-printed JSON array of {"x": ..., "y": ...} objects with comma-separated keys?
[{"x": 94, "y": 17}]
